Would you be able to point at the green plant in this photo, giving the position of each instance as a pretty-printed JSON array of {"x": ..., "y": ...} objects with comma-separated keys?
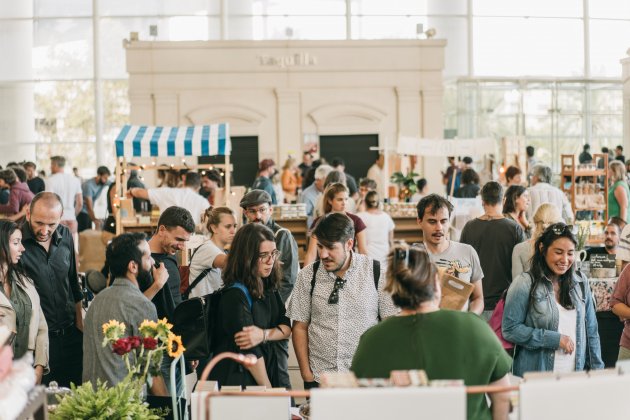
[
  {"x": 406, "y": 183},
  {"x": 583, "y": 233},
  {"x": 122, "y": 401}
]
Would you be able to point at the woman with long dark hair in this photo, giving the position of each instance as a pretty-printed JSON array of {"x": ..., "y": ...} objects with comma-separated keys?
[
  {"x": 251, "y": 312},
  {"x": 549, "y": 312},
  {"x": 20, "y": 310},
  {"x": 515, "y": 205}
]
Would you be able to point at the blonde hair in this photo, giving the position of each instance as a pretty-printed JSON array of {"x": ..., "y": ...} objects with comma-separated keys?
[
  {"x": 290, "y": 163},
  {"x": 213, "y": 216},
  {"x": 617, "y": 171},
  {"x": 546, "y": 215}
]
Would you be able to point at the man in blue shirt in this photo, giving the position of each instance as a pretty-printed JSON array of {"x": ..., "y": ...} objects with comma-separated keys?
[
  {"x": 266, "y": 169},
  {"x": 93, "y": 188},
  {"x": 311, "y": 194}
]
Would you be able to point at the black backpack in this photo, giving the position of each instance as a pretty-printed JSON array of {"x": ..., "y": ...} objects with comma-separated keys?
[
  {"x": 195, "y": 320},
  {"x": 376, "y": 269}
]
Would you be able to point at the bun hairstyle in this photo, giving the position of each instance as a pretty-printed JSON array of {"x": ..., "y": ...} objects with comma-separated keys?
[
  {"x": 213, "y": 216},
  {"x": 410, "y": 276},
  {"x": 372, "y": 200}
]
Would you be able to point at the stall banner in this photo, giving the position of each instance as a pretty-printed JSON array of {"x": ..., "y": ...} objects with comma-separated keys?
[
  {"x": 153, "y": 141},
  {"x": 446, "y": 147}
]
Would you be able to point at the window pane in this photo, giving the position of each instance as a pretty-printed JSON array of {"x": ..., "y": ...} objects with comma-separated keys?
[
  {"x": 537, "y": 101},
  {"x": 570, "y": 101},
  {"x": 158, "y": 7},
  {"x": 115, "y": 106},
  {"x": 291, "y": 27},
  {"x": 455, "y": 31},
  {"x": 560, "y": 8},
  {"x": 391, "y": 7},
  {"x": 607, "y": 50},
  {"x": 447, "y": 7},
  {"x": 64, "y": 111},
  {"x": 537, "y": 126},
  {"x": 543, "y": 148},
  {"x": 607, "y": 100},
  {"x": 385, "y": 27},
  {"x": 113, "y": 58},
  {"x": 570, "y": 125},
  {"x": 60, "y": 8},
  {"x": 81, "y": 155},
  {"x": 609, "y": 9},
  {"x": 62, "y": 49},
  {"x": 607, "y": 126},
  {"x": 286, "y": 7},
  {"x": 515, "y": 46}
]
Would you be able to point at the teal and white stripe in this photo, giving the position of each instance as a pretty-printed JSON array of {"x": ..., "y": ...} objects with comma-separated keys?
[{"x": 158, "y": 141}]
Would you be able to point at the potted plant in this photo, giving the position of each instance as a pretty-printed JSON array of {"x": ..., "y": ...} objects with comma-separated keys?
[{"x": 406, "y": 184}]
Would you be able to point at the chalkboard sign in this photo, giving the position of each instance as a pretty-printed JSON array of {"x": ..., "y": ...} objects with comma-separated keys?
[{"x": 603, "y": 265}]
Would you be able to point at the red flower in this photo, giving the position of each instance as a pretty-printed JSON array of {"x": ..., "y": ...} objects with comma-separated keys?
[
  {"x": 150, "y": 343},
  {"x": 135, "y": 341},
  {"x": 121, "y": 346}
]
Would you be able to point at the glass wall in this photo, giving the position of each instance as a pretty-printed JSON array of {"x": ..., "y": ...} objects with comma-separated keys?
[{"x": 498, "y": 51}]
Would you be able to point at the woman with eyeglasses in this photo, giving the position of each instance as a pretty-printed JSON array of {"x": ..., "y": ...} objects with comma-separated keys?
[
  {"x": 211, "y": 257},
  {"x": 416, "y": 339},
  {"x": 334, "y": 200},
  {"x": 515, "y": 204},
  {"x": 546, "y": 215},
  {"x": 549, "y": 313},
  {"x": 251, "y": 315},
  {"x": 20, "y": 309}
]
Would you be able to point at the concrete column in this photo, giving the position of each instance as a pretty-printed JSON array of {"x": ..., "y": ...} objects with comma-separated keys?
[
  {"x": 432, "y": 127},
  {"x": 167, "y": 109},
  {"x": 141, "y": 108},
  {"x": 409, "y": 115},
  {"x": 17, "y": 114},
  {"x": 288, "y": 123}
]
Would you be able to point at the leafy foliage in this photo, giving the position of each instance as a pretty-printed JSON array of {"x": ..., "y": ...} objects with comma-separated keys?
[
  {"x": 122, "y": 401},
  {"x": 406, "y": 183}
]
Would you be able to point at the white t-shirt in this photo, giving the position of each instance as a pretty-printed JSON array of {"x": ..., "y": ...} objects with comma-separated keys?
[
  {"x": 378, "y": 226},
  {"x": 182, "y": 197},
  {"x": 67, "y": 187},
  {"x": 564, "y": 362},
  {"x": 202, "y": 259}
]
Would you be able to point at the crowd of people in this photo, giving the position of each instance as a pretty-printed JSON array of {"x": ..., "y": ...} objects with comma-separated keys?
[{"x": 360, "y": 302}]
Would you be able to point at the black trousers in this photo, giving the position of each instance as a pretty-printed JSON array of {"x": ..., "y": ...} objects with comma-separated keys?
[
  {"x": 84, "y": 221},
  {"x": 65, "y": 357}
]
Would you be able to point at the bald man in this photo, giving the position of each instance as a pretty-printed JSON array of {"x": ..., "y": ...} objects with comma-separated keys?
[{"x": 49, "y": 260}]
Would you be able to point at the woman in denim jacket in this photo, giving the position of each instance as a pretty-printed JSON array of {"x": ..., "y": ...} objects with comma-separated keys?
[{"x": 549, "y": 312}]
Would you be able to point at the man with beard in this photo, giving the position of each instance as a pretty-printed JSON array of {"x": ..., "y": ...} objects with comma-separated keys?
[
  {"x": 611, "y": 241},
  {"x": 458, "y": 260},
  {"x": 92, "y": 190},
  {"x": 130, "y": 263},
  {"x": 334, "y": 301},
  {"x": 49, "y": 260},
  {"x": 174, "y": 228}
]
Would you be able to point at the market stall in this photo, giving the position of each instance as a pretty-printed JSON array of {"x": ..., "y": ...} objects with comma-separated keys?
[{"x": 153, "y": 142}]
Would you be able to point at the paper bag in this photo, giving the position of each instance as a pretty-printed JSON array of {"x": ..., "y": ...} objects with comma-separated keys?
[{"x": 455, "y": 292}]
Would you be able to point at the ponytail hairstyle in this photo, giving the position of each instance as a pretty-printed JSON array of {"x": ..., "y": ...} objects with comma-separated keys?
[
  {"x": 411, "y": 276},
  {"x": 372, "y": 200},
  {"x": 213, "y": 216}
]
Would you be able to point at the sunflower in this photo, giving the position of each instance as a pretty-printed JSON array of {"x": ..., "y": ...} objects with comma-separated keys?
[
  {"x": 163, "y": 329},
  {"x": 148, "y": 328},
  {"x": 113, "y": 329},
  {"x": 174, "y": 346}
]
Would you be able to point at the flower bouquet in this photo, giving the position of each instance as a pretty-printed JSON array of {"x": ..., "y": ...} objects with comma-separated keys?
[{"x": 143, "y": 356}]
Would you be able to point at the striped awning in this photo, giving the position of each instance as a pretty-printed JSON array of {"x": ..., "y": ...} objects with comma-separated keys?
[{"x": 197, "y": 140}]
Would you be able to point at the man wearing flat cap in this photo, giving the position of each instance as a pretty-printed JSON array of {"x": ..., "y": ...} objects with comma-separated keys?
[
  {"x": 266, "y": 170},
  {"x": 256, "y": 206}
]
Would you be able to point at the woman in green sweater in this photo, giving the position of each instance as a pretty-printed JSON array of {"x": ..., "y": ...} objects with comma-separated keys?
[
  {"x": 446, "y": 344},
  {"x": 618, "y": 193}
]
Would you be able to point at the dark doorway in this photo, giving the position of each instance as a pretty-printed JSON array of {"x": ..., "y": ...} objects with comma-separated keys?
[
  {"x": 353, "y": 149},
  {"x": 244, "y": 160}
]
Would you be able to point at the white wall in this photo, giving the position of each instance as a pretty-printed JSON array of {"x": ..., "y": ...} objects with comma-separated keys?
[{"x": 282, "y": 90}]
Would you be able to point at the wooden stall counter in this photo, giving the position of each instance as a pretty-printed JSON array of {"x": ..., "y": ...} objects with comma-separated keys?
[{"x": 407, "y": 229}]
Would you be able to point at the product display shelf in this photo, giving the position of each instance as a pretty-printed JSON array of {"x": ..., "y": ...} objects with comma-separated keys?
[{"x": 585, "y": 185}]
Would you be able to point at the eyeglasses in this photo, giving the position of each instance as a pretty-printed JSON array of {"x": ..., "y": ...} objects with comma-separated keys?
[
  {"x": 560, "y": 228},
  {"x": 333, "y": 299},
  {"x": 254, "y": 211},
  {"x": 268, "y": 256}
]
